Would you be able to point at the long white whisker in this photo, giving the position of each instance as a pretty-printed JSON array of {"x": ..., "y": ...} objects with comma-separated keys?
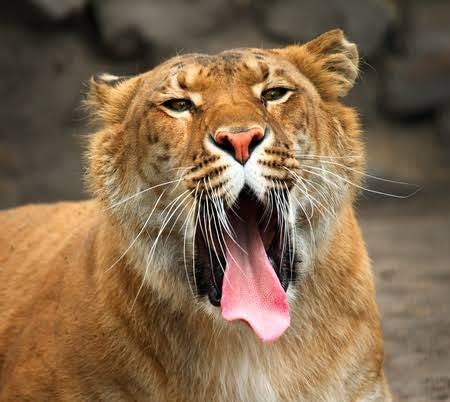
[
  {"x": 292, "y": 234},
  {"x": 326, "y": 157},
  {"x": 362, "y": 187},
  {"x": 152, "y": 249},
  {"x": 320, "y": 204},
  {"x": 206, "y": 235},
  {"x": 186, "y": 224},
  {"x": 366, "y": 174},
  {"x": 324, "y": 178},
  {"x": 195, "y": 232},
  {"x": 309, "y": 221},
  {"x": 326, "y": 200},
  {"x": 226, "y": 224},
  {"x": 169, "y": 217},
  {"x": 222, "y": 236},
  {"x": 140, "y": 232},
  {"x": 142, "y": 192},
  {"x": 175, "y": 221},
  {"x": 299, "y": 181},
  {"x": 210, "y": 230}
]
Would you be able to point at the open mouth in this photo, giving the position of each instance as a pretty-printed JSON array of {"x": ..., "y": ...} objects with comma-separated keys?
[{"x": 245, "y": 262}]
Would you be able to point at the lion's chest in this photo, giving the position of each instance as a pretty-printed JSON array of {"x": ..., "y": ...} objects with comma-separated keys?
[
  {"x": 247, "y": 380},
  {"x": 240, "y": 374}
]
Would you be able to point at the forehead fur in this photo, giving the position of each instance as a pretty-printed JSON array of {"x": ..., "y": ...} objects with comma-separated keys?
[
  {"x": 195, "y": 71},
  {"x": 328, "y": 65}
]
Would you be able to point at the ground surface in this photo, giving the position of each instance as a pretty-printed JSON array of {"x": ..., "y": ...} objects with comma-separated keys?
[{"x": 409, "y": 242}]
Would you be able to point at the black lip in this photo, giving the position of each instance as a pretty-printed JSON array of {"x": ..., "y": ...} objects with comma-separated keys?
[{"x": 209, "y": 268}]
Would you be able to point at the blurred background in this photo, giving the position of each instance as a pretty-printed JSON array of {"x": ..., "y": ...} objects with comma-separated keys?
[{"x": 50, "y": 48}]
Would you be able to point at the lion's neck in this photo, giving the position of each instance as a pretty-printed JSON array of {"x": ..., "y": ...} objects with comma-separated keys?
[{"x": 177, "y": 333}]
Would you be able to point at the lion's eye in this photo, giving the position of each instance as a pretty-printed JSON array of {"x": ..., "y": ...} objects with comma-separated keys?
[
  {"x": 273, "y": 94},
  {"x": 179, "y": 105}
]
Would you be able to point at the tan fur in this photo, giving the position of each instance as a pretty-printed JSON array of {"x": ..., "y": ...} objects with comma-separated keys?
[{"x": 79, "y": 320}]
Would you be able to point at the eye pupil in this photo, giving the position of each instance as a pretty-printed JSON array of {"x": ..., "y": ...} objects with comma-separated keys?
[
  {"x": 179, "y": 105},
  {"x": 273, "y": 94}
]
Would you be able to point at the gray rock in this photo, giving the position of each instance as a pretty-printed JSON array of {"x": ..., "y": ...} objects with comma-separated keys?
[
  {"x": 364, "y": 21},
  {"x": 43, "y": 123},
  {"x": 425, "y": 26},
  {"x": 298, "y": 21},
  {"x": 443, "y": 124},
  {"x": 416, "y": 84},
  {"x": 57, "y": 10},
  {"x": 169, "y": 24}
]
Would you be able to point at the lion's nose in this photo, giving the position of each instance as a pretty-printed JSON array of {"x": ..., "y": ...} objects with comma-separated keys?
[{"x": 241, "y": 143}]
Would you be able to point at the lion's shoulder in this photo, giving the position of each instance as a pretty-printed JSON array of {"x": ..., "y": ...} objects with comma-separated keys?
[
  {"x": 30, "y": 224},
  {"x": 33, "y": 235}
]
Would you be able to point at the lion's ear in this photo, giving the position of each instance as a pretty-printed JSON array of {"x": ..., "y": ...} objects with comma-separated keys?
[
  {"x": 330, "y": 61},
  {"x": 109, "y": 96}
]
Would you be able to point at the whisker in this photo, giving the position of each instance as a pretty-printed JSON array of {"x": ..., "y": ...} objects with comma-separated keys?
[
  {"x": 228, "y": 229},
  {"x": 139, "y": 234},
  {"x": 326, "y": 157},
  {"x": 309, "y": 221},
  {"x": 225, "y": 243},
  {"x": 168, "y": 217},
  {"x": 324, "y": 178},
  {"x": 182, "y": 167},
  {"x": 326, "y": 200},
  {"x": 210, "y": 230},
  {"x": 175, "y": 222},
  {"x": 364, "y": 188},
  {"x": 299, "y": 180},
  {"x": 195, "y": 232},
  {"x": 367, "y": 174},
  {"x": 292, "y": 240},
  {"x": 206, "y": 235},
  {"x": 282, "y": 213},
  {"x": 152, "y": 249},
  {"x": 191, "y": 211},
  {"x": 142, "y": 192}
]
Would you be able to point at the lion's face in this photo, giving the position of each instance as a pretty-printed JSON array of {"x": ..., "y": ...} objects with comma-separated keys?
[
  {"x": 234, "y": 120},
  {"x": 243, "y": 159}
]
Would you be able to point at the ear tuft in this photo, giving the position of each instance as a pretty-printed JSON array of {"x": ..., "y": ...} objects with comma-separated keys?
[
  {"x": 330, "y": 61},
  {"x": 109, "y": 79},
  {"x": 109, "y": 96}
]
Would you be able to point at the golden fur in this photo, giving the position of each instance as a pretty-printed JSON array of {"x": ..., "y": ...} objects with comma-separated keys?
[{"x": 96, "y": 302}]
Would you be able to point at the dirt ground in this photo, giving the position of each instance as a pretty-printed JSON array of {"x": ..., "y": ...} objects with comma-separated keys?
[{"x": 408, "y": 241}]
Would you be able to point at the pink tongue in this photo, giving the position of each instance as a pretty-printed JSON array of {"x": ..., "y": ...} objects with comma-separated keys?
[{"x": 251, "y": 290}]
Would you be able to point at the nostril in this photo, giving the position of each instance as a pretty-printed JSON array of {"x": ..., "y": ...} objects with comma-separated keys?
[
  {"x": 224, "y": 142},
  {"x": 257, "y": 138}
]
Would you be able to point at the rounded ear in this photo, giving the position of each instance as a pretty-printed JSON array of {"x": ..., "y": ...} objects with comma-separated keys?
[
  {"x": 108, "y": 96},
  {"x": 330, "y": 61}
]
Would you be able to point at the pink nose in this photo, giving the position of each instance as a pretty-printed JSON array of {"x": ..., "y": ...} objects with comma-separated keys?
[{"x": 242, "y": 142}]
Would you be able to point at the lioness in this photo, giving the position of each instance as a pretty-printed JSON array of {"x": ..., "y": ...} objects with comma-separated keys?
[{"x": 220, "y": 259}]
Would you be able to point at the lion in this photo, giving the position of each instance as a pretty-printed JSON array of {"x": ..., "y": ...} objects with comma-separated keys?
[{"x": 219, "y": 258}]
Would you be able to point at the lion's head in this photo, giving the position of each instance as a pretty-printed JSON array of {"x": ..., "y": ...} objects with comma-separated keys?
[{"x": 228, "y": 171}]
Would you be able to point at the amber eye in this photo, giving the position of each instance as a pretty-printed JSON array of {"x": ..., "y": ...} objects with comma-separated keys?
[
  {"x": 179, "y": 105},
  {"x": 273, "y": 94}
]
